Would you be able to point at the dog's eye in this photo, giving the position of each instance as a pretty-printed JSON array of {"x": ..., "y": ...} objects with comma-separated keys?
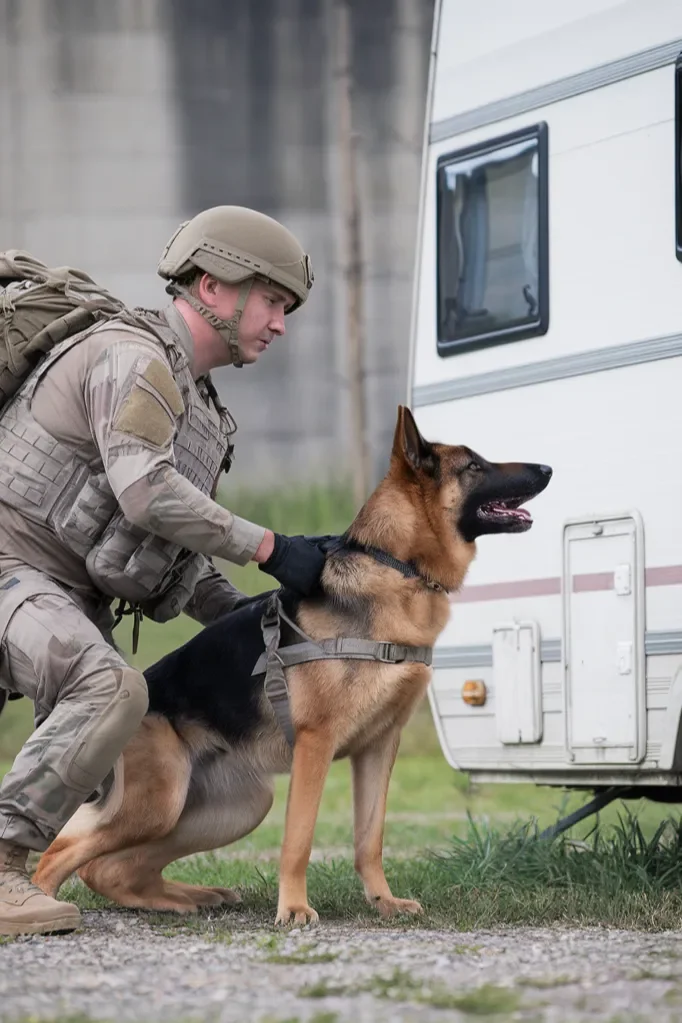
[{"x": 473, "y": 467}]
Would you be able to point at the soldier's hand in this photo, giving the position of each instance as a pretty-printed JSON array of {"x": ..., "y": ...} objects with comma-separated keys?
[
  {"x": 295, "y": 562},
  {"x": 245, "y": 601},
  {"x": 324, "y": 543}
]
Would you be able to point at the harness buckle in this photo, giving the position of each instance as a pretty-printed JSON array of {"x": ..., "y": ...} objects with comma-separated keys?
[{"x": 391, "y": 653}]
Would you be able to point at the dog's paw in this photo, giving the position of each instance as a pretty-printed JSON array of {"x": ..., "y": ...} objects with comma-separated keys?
[
  {"x": 391, "y": 907},
  {"x": 228, "y": 896},
  {"x": 302, "y": 913}
]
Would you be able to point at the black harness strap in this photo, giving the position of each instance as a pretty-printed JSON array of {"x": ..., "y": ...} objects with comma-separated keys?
[{"x": 408, "y": 569}]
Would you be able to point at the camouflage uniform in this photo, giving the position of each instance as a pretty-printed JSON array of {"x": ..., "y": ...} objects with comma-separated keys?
[
  {"x": 109, "y": 457},
  {"x": 110, "y": 453}
]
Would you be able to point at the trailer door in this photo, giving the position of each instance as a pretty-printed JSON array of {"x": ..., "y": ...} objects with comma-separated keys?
[{"x": 603, "y": 648}]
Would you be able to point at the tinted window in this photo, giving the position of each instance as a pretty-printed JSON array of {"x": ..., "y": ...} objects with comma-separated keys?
[{"x": 492, "y": 242}]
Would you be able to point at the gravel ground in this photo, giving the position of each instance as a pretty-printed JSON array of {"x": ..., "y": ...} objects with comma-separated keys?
[{"x": 119, "y": 967}]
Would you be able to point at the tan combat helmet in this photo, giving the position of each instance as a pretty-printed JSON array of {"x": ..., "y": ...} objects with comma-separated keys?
[{"x": 235, "y": 245}]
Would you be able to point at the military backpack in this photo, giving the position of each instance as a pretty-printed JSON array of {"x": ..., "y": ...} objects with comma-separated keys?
[{"x": 39, "y": 307}]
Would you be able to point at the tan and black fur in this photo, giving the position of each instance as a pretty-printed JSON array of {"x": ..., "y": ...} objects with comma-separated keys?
[{"x": 198, "y": 773}]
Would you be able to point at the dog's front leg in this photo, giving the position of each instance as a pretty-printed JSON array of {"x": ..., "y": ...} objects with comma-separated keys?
[
  {"x": 371, "y": 774},
  {"x": 313, "y": 752}
]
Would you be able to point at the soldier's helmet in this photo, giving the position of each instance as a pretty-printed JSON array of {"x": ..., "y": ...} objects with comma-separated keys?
[{"x": 233, "y": 243}]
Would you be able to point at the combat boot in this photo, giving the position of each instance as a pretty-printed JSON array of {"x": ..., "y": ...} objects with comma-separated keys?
[{"x": 24, "y": 907}]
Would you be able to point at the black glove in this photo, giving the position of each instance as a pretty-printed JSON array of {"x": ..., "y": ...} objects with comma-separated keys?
[
  {"x": 324, "y": 543},
  {"x": 296, "y": 562},
  {"x": 245, "y": 601}
]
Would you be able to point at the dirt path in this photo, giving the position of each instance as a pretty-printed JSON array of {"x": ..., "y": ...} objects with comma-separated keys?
[{"x": 119, "y": 967}]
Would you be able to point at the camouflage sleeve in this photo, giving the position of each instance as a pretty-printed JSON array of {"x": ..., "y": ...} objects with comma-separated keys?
[
  {"x": 133, "y": 405},
  {"x": 214, "y": 595}
]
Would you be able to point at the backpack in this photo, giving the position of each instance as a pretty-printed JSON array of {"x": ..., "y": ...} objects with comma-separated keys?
[{"x": 39, "y": 307}]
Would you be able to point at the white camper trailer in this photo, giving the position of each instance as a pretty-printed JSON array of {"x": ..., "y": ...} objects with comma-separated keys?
[{"x": 547, "y": 327}]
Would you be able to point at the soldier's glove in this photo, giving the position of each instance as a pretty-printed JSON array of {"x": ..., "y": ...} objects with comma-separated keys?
[
  {"x": 325, "y": 543},
  {"x": 296, "y": 562},
  {"x": 245, "y": 601}
]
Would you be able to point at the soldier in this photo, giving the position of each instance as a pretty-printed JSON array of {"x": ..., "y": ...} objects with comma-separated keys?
[{"x": 109, "y": 460}]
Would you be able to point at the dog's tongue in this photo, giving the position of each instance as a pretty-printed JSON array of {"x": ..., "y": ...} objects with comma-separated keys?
[{"x": 502, "y": 509}]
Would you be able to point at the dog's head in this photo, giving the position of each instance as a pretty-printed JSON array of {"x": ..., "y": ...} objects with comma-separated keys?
[{"x": 475, "y": 496}]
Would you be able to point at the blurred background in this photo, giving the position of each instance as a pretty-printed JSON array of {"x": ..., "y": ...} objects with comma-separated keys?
[{"x": 121, "y": 118}]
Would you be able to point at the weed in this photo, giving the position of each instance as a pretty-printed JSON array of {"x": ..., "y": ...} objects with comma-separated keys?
[
  {"x": 547, "y": 982},
  {"x": 219, "y": 937},
  {"x": 488, "y": 1000},
  {"x": 299, "y": 959},
  {"x": 400, "y": 984},
  {"x": 321, "y": 989},
  {"x": 645, "y": 974}
]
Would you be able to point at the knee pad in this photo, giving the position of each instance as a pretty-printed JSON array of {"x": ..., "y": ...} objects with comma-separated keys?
[{"x": 123, "y": 703}]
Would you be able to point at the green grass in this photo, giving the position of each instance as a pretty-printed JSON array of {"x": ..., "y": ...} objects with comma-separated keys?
[
  {"x": 428, "y": 802},
  {"x": 484, "y": 878},
  {"x": 468, "y": 852},
  {"x": 300, "y": 959},
  {"x": 313, "y": 509},
  {"x": 402, "y": 986},
  {"x": 428, "y": 806}
]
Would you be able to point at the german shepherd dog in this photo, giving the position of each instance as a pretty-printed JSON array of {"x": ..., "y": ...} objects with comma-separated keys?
[{"x": 198, "y": 773}]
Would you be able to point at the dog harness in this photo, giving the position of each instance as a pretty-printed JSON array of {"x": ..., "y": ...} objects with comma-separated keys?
[{"x": 276, "y": 658}]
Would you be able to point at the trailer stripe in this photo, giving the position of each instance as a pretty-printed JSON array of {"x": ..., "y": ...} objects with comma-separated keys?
[
  {"x": 560, "y": 89},
  {"x": 563, "y": 367},
  {"x": 481, "y": 656},
  {"x": 660, "y": 575}
]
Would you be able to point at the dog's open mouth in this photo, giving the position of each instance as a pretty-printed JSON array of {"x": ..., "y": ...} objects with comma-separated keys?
[{"x": 507, "y": 513}]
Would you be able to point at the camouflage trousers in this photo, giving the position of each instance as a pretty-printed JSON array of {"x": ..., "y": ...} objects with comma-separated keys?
[{"x": 88, "y": 701}]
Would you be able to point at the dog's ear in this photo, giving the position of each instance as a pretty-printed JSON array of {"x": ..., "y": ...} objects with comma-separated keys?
[{"x": 409, "y": 445}]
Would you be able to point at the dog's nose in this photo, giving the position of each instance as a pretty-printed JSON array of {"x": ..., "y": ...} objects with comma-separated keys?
[{"x": 546, "y": 470}]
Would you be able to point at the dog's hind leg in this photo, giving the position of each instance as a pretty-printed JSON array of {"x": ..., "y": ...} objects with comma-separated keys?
[
  {"x": 148, "y": 796},
  {"x": 129, "y": 879},
  {"x": 223, "y": 805}
]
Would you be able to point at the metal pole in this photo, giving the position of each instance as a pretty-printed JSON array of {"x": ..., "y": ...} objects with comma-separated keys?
[{"x": 353, "y": 265}]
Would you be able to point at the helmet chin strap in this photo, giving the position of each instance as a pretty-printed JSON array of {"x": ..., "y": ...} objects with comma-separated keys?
[{"x": 228, "y": 329}]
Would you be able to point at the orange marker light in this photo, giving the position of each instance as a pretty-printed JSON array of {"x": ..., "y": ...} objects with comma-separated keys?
[{"x": 474, "y": 692}]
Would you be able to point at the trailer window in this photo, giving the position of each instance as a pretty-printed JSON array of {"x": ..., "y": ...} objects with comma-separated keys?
[{"x": 493, "y": 284}]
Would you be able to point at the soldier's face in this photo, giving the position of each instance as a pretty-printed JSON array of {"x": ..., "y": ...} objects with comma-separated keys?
[{"x": 263, "y": 319}]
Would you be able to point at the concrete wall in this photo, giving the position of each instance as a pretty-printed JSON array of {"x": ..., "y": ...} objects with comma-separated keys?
[{"x": 120, "y": 118}]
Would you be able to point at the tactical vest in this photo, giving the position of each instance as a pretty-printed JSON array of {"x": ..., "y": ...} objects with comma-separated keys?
[{"x": 51, "y": 484}]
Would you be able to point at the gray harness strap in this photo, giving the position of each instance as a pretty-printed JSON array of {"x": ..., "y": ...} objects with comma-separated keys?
[
  {"x": 275, "y": 659},
  {"x": 275, "y": 683}
]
